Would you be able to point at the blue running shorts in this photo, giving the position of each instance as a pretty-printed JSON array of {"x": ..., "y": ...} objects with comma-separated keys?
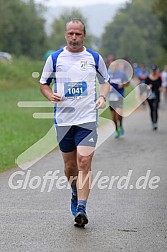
[{"x": 69, "y": 137}]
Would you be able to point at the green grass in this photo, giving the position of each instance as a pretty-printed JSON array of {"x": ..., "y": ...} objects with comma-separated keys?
[{"x": 18, "y": 129}]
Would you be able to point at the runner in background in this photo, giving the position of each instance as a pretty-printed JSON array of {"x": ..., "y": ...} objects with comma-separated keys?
[
  {"x": 142, "y": 74},
  {"x": 154, "y": 86},
  {"x": 118, "y": 78}
]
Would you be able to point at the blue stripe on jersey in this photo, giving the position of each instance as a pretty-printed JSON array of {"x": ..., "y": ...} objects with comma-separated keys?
[
  {"x": 96, "y": 60},
  {"x": 95, "y": 56},
  {"x": 54, "y": 59}
]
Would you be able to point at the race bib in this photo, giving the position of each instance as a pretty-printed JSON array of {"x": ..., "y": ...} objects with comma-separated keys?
[
  {"x": 113, "y": 97},
  {"x": 75, "y": 89}
]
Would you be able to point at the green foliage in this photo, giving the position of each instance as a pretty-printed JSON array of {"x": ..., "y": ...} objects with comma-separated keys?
[
  {"x": 160, "y": 8},
  {"x": 19, "y": 73},
  {"x": 138, "y": 31},
  {"x": 134, "y": 33},
  {"x": 21, "y": 28},
  {"x": 162, "y": 59}
]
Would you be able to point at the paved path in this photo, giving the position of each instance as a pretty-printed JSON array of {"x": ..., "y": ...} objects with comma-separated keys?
[{"x": 126, "y": 220}]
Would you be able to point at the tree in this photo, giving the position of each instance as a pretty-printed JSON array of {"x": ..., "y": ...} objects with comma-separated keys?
[
  {"x": 133, "y": 33},
  {"x": 21, "y": 28},
  {"x": 160, "y": 8}
]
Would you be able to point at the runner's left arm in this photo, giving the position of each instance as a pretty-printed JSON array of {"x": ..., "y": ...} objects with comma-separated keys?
[{"x": 104, "y": 86}]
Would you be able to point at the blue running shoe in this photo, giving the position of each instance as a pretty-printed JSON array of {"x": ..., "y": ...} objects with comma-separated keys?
[
  {"x": 81, "y": 217},
  {"x": 116, "y": 134},
  {"x": 74, "y": 203},
  {"x": 121, "y": 131}
]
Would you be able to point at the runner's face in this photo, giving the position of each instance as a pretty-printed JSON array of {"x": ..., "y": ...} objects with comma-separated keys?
[{"x": 75, "y": 36}]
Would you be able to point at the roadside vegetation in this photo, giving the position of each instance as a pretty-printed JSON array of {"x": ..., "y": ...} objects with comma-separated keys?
[{"x": 18, "y": 129}]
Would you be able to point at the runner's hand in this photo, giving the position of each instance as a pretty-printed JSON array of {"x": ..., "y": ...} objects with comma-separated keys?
[
  {"x": 120, "y": 85},
  {"x": 100, "y": 103},
  {"x": 55, "y": 97}
]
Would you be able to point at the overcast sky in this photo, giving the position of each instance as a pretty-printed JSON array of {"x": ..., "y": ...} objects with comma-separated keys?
[{"x": 75, "y": 3}]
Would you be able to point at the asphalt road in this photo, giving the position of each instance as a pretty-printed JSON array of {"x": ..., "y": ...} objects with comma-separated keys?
[{"x": 127, "y": 214}]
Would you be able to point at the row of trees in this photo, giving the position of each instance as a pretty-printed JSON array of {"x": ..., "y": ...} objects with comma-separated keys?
[
  {"x": 138, "y": 31},
  {"x": 134, "y": 33}
]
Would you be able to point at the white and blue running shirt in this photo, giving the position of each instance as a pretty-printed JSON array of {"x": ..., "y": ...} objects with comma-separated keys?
[{"x": 74, "y": 77}]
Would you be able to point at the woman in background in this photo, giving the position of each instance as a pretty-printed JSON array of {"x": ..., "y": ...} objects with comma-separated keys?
[{"x": 154, "y": 83}]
